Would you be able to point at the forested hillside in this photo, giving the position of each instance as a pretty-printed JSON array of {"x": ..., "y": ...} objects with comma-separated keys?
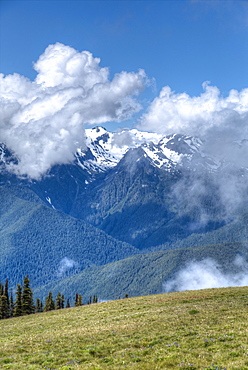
[{"x": 48, "y": 244}]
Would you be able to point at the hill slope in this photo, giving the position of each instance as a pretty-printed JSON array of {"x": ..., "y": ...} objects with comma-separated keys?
[
  {"x": 145, "y": 274},
  {"x": 47, "y": 244},
  {"x": 204, "y": 329}
]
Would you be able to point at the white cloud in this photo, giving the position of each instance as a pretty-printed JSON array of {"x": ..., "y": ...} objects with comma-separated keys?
[
  {"x": 42, "y": 121},
  {"x": 207, "y": 274},
  {"x": 222, "y": 124},
  {"x": 200, "y": 116},
  {"x": 65, "y": 265}
]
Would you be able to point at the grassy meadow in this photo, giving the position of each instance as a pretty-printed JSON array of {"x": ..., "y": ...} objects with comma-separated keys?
[{"x": 205, "y": 329}]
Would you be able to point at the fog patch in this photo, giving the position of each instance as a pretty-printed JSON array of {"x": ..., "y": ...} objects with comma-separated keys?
[
  {"x": 66, "y": 265},
  {"x": 207, "y": 274},
  {"x": 123, "y": 138}
]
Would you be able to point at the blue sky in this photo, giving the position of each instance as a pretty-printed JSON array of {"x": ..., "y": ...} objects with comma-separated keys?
[
  {"x": 179, "y": 43},
  {"x": 155, "y": 60}
]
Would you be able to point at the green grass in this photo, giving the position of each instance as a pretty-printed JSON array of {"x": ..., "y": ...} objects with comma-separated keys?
[{"x": 206, "y": 329}]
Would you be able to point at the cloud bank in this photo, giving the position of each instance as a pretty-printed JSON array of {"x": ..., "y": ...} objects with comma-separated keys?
[
  {"x": 42, "y": 120},
  {"x": 203, "y": 115},
  {"x": 207, "y": 274},
  {"x": 222, "y": 124}
]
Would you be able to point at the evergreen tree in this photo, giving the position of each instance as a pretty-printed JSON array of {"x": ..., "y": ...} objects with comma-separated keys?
[
  {"x": 58, "y": 305},
  {"x": 49, "y": 303},
  {"x": 4, "y": 312},
  {"x": 27, "y": 298},
  {"x": 11, "y": 305},
  {"x": 18, "y": 302},
  {"x": 78, "y": 300},
  {"x": 38, "y": 306},
  {"x": 62, "y": 301},
  {"x": 4, "y": 300},
  {"x": 68, "y": 303},
  {"x": 95, "y": 299}
]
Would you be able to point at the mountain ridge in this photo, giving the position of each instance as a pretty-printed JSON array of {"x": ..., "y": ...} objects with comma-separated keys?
[{"x": 126, "y": 194}]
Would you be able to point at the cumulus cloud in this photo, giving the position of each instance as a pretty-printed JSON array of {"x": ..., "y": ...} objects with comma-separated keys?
[
  {"x": 207, "y": 274},
  {"x": 222, "y": 124},
  {"x": 171, "y": 112},
  {"x": 42, "y": 120}
]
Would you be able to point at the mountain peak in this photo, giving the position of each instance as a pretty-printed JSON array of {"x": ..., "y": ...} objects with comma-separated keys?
[{"x": 105, "y": 149}]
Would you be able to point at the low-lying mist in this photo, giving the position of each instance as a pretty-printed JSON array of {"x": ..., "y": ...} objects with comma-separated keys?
[{"x": 207, "y": 274}]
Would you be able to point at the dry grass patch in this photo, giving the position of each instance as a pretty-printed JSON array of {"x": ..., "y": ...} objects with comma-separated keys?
[{"x": 191, "y": 330}]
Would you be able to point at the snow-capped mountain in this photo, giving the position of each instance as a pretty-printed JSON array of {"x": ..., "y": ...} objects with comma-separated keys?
[
  {"x": 106, "y": 149},
  {"x": 127, "y": 192},
  {"x": 139, "y": 187}
]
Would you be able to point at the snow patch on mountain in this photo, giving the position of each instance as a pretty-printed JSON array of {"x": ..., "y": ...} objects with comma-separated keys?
[{"x": 105, "y": 149}]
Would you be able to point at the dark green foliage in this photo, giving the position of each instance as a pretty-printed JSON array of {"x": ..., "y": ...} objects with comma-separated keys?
[
  {"x": 193, "y": 312},
  {"x": 68, "y": 303},
  {"x": 62, "y": 301},
  {"x": 6, "y": 303},
  {"x": 38, "y": 306},
  {"x": 4, "y": 310},
  {"x": 95, "y": 299},
  {"x": 49, "y": 303},
  {"x": 27, "y": 298},
  {"x": 18, "y": 302},
  {"x": 11, "y": 305},
  {"x": 58, "y": 304},
  {"x": 78, "y": 300}
]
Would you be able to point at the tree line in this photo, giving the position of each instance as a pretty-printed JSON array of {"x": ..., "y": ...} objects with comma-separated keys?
[{"x": 23, "y": 304}]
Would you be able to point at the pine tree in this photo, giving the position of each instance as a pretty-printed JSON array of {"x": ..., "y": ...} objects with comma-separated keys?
[
  {"x": 95, "y": 299},
  {"x": 62, "y": 301},
  {"x": 68, "y": 303},
  {"x": 58, "y": 305},
  {"x": 11, "y": 305},
  {"x": 49, "y": 303},
  {"x": 4, "y": 301},
  {"x": 4, "y": 312},
  {"x": 38, "y": 306},
  {"x": 27, "y": 298},
  {"x": 78, "y": 300},
  {"x": 18, "y": 302}
]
